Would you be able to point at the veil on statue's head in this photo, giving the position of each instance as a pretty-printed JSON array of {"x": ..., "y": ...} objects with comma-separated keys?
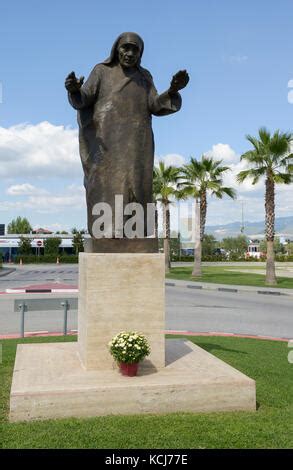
[{"x": 125, "y": 38}]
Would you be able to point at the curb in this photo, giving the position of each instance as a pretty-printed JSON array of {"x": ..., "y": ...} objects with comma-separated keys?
[
  {"x": 31, "y": 334},
  {"x": 236, "y": 289},
  {"x": 235, "y": 335},
  {"x": 39, "y": 291},
  {"x": 167, "y": 284}
]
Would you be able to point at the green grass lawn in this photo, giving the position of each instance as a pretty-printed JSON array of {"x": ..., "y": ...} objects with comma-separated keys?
[
  {"x": 228, "y": 275},
  {"x": 269, "y": 427}
]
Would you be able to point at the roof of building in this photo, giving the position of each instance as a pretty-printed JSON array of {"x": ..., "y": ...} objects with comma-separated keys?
[{"x": 42, "y": 230}]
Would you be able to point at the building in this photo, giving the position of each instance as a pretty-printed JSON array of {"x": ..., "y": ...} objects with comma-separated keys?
[
  {"x": 253, "y": 250},
  {"x": 42, "y": 231},
  {"x": 9, "y": 244}
]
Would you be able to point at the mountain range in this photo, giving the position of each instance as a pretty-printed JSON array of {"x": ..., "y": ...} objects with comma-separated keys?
[{"x": 283, "y": 229}]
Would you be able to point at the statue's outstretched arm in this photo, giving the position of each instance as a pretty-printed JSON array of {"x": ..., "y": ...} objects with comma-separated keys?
[
  {"x": 170, "y": 101},
  {"x": 81, "y": 96}
]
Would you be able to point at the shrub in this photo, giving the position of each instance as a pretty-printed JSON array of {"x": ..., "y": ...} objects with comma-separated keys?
[
  {"x": 68, "y": 259},
  {"x": 182, "y": 258},
  {"x": 24, "y": 246},
  {"x": 51, "y": 245},
  {"x": 284, "y": 258}
]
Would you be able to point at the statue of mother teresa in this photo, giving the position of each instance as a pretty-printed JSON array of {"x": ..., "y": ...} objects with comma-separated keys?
[{"x": 115, "y": 107}]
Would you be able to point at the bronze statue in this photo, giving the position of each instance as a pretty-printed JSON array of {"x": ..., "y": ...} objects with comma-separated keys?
[{"x": 115, "y": 107}]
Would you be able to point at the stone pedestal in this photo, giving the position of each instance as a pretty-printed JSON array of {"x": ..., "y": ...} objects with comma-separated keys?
[
  {"x": 49, "y": 382},
  {"x": 120, "y": 292},
  {"x": 121, "y": 245}
]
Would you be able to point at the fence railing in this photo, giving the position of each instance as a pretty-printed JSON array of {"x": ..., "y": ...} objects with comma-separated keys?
[{"x": 36, "y": 305}]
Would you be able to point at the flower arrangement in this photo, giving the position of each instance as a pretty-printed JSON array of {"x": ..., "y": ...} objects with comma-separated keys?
[{"x": 129, "y": 347}]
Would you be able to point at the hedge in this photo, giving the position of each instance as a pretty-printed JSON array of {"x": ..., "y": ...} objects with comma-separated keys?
[
  {"x": 284, "y": 258},
  {"x": 74, "y": 258},
  {"x": 27, "y": 259},
  {"x": 279, "y": 258}
]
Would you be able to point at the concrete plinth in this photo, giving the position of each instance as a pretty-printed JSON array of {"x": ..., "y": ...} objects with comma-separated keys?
[
  {"x": 49, "y": 381},
  {"x": 120, "y": 292}
]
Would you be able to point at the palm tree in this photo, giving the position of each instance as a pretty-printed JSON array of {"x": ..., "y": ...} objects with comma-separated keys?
[
  {"x": 200, "y": 178},
  {"x": 270, "y": 158},
  {"x": 164, "y": 187}
]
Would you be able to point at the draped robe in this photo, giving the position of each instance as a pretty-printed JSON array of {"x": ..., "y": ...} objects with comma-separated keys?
[{"x": 115, "y": 108}]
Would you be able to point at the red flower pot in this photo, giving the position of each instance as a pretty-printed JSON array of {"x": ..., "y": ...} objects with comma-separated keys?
[{"x": 128, "y": 369}]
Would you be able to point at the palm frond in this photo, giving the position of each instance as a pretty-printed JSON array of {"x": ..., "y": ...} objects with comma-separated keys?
[
  {"x": 253, "y": 157},
  {"x": 187, "y": 192},
  {"x": 286, "y": 160},
  {"x": 270, "y": 155},
  {"x": 264, "y": 135},
  {"x": 243, "y": 175},
  {"x": 229, "y": 192},
  {"x": 283, "y": 178},
  {"x": 254, "y": 141},
  {"x": 165, "y": 178}
]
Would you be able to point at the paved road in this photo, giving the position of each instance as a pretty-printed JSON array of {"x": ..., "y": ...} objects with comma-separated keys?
[
  {"x": 39, "y": 274},
  {"x": 242, "y": 312},
  {"x": 186, "y": 309}
]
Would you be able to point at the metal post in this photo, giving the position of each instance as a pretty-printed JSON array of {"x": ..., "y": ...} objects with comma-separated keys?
[
  {"x": 22, "y": 309},
  {"x": 65, "y": 306}
]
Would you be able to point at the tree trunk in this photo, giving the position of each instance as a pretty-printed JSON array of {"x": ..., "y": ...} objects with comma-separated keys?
[
  {"x": 156, "y": 220},
  {"x": 197, "y": 242},
  {"x": 270, "y": 265},
  {"x": 270, "y": 231},
  {"x": 167, "y": 255},
  {"x": 203, "y": 213},
  {"x": 166, "y": 232}
]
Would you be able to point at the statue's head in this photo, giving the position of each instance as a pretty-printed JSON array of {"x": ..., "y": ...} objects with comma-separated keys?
[
  {"x": 128, "y": 54},
  {"x": 127, "y": 50}
]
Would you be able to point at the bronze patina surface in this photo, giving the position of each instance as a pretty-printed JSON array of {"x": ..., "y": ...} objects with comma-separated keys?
[{"x": 115, "y": 107}]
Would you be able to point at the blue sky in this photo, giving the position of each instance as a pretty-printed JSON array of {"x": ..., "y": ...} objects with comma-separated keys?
[{"x": 239, "y": 56}]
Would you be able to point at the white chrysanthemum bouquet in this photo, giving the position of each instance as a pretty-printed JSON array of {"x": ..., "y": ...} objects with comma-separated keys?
[{"x": 129, "y": 347}]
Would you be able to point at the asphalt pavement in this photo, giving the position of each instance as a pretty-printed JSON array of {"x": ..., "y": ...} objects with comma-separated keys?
[{"x": 187, "y": 309}]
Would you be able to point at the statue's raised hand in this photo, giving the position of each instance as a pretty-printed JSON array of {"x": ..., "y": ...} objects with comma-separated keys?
[
  {"x": 179, "y": 81},
  {"x": 73, "y": 84}
]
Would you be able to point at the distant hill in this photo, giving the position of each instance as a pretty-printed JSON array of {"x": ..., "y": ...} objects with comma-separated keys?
[{"x": 283, "y": 227}]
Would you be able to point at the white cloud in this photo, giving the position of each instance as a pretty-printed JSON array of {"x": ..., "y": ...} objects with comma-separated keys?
[
  {"x": 46, "y": 151},
  {"x": 290, "y": 97},
  {"x": 41, "y": 150},
  {"x": 173, "y": 159},
  {"x": 44, "y": 202},
  {"x": 222, "y": 152},
  {"x": 290, "y": 84},
  {"x": 232, "y": 160},
  {"x": 25, "y": 189},
  {"x": 246, "y": 186}
]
